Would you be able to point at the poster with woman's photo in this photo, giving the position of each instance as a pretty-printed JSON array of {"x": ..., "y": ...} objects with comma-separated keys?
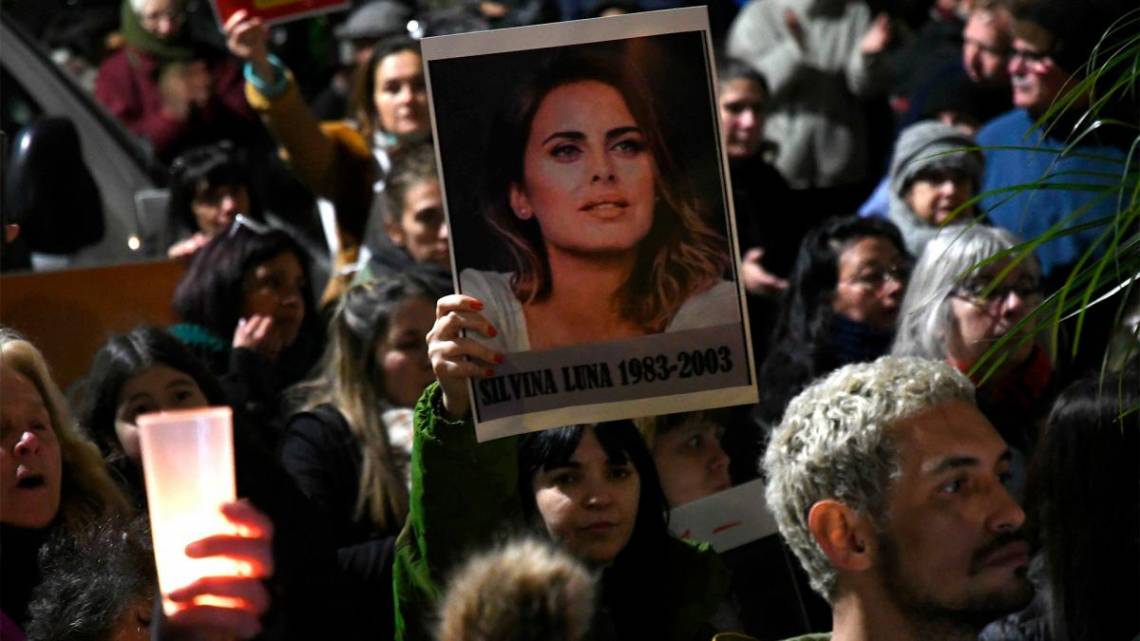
[{"x": 587, "y": 200}]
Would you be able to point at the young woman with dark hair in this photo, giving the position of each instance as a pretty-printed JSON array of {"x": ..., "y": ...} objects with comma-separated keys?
[
  {"x": 245, "y": 309},
  {"x": 841, "y": 306},
  {"x": 148, "y": 370},
  {"x": 112, "y": 396},
  {"x": 592, "y": 489},
  {"x": 209, "y": 187},
  {"x": 605, "y": 235}
]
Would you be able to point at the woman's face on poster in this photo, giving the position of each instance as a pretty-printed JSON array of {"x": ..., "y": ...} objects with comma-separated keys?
[{"x": 588, "y": 174}]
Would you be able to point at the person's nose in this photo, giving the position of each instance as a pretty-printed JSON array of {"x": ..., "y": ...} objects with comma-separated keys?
[
  {"x": 1016, "y": 64},
  {"x": 406, "y": 94},
  {"x": 747, "y": 119},
  {"x": 970, "y": 55},
  {"x": 1014, "y": 304},
  {"x": 893, "y": 285},
  {"x": 444, "y": 232},
  {"x": 719, "y": 459},
  {"x": 290, "y": 296},
  {"x": 602, "y": 167},
  {"x": 229, "y": 205},
  {"x": 1004, "y": 514},
  {"x": 29, "y": 443},
  {"x": 598, "y": 495}
]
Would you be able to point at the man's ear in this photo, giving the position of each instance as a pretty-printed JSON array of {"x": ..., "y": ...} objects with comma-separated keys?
[
  {"x": 843, "y": 534},
  {"x": 11, "y": 232},
  {"x": 395, "y": 232},
  {"x": 520, "y": 204}
]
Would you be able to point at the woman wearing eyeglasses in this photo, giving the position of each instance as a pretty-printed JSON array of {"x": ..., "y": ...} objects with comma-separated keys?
[
  {"x": 840, "y": 306},
  {"x": 957, "y": 313}
]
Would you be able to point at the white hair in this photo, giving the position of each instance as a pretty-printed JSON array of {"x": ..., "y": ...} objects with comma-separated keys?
[
  {"x": 834, "y": 442},
  {"x": 139, "y": 5},
  {"x": 949, "y": 259}
]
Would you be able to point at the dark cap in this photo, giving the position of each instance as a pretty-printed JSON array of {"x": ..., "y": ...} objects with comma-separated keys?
[{"x": 375, "y": 20}]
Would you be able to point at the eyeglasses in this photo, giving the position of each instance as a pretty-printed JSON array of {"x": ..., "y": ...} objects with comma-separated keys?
[
  {"x": 1027, "y": 56},
  {"x": 875, "y": 278},
  {"x": 982, "y": 293}
]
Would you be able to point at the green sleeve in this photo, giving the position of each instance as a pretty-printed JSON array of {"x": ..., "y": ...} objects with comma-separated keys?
[{"x": 467, "y": 491}]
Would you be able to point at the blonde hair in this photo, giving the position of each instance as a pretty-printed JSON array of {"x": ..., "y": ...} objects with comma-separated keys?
[
  {"x": 351, "y": 380},
  {"x": 87, "y": 491},
  {"x": 524, "y": 591}
]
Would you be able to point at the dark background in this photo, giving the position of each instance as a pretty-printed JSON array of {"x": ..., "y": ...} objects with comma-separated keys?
[{"x": 467, "y": 91}]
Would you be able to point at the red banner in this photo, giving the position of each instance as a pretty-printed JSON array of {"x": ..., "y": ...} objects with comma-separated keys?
[{"x": 276, "y": 11}]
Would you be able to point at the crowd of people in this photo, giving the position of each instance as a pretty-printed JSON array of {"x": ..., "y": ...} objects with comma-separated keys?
[{"x": 937, "y": 467}]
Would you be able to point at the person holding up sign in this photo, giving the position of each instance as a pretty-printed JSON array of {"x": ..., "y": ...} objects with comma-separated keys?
[
  {"x": 592, "y": 489},
  {"x": 605, "y": 234}
]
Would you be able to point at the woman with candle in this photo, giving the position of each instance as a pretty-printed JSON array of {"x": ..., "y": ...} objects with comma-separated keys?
[
  {"x": 148, "y": 370},
  {"x": 53, "y": 481},
  {"x": 591, "y": 489},
  {"x": 605, "y": 238}
]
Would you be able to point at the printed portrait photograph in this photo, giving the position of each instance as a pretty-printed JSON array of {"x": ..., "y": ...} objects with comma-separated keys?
[{"x": 586, "y": 202}]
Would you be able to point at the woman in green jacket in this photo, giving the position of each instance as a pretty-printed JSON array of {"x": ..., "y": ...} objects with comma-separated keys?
[{"x": 592, "y": 489}]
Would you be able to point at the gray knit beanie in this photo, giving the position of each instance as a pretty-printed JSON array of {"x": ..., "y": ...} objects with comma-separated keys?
[{"x": 923, "y": 145}]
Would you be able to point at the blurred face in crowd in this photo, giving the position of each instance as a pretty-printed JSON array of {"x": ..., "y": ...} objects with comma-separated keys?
[
  {"x": 1036, "y": 80},
  {"x": 980, "y": 316},
  {"x": 163, "y": 18},
  {"x": 401, "y": 353},
  {"x": 872, "y": 277},
  {"x": 30, "y": 462},
  {"x": 985, "y": 47},
  {"x": 401, "y": 94},
  {"x": 935, "y": 193},
  {"x": 588, "y": 175},
  {"x": 275, "y": 288},
  {"x": 216, "y": 206},
  {"x": 155, "y": 389},
  {"x": 951, "y": 550},
  {"x": 741, "y": 104},
  {"x": 690, "y": 460},
  {"x": 421, "y": 228},
  {"x": 589, "y": 505}
]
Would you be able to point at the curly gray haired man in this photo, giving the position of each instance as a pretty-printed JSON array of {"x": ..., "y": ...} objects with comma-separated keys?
[{"x": 889, "y": 485}]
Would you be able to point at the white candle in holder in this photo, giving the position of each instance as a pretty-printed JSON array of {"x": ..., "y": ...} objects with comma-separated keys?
[{"x": 188, "y": 463}]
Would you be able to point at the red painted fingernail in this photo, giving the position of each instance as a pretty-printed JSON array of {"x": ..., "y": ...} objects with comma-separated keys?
[
  {"x": 498, "y": 359},
  {"x": 477, "y": 305},
  {"x": 491, "y": 331},
  {"x": 488, "y": 372}
]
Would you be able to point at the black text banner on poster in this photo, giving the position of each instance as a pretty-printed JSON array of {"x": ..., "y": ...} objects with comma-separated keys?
[
  {"x": 588, "y": 207},
  {"x": 603, "y": 381}
]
